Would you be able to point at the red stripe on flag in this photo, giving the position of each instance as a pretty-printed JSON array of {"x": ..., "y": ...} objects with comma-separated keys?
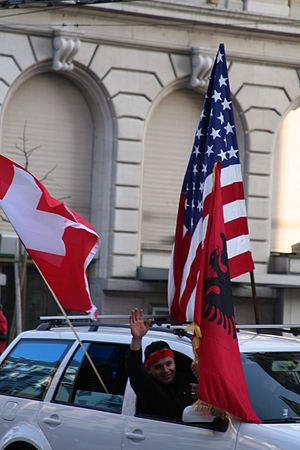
[
  {"x": 182, "y": 243},
  {"x": 231, "y": 192},
  {"x": 206, "y": 205},
  {"x": 181, "y": 250},
  {"x": 236, "y": 228},
  {"x": 240, "y": 264},
  {"x": 178, "y": 271}
]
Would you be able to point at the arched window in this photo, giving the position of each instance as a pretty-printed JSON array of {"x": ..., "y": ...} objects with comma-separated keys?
[
  {"x": 286, "y": 186},
  {"x": 48, "y": 113},
  {"x": 168, "y": 145}
]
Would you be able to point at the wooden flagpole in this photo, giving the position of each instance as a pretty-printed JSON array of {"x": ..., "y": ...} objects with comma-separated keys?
[
  {"x": 76, "y": 334},
  {"x": 253, "y": 287}
]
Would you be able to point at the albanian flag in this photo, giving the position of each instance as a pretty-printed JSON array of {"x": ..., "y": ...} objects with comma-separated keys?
[{"x": 221, "y": 378}]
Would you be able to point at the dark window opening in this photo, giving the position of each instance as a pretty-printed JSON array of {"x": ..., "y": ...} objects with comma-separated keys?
[
  {"x": 273, "y": 381},
  {"x": 81, "y": 386}
]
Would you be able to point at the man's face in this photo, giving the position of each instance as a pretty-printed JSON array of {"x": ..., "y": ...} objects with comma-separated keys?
[{"x": 163, "y": 370}]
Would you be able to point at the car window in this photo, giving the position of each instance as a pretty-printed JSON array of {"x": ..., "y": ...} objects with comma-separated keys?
[
  {"x": 273, "y": 381},
  {"x": 29, "y": 368},
  {"x": 80, "y": 385},
  {"x": 185, "y": 376}
]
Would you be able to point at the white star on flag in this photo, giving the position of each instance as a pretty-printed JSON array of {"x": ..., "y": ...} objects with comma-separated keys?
[
  {"x": 222, "y": 81},
  {"x": 199, "y": 133},
  {"x": 215, "y": 133},
  {"x": 226, "y": 104},
  {"x": 222, "y": 155},
  {"x": 229, "y": 128},
  {"x": 219, "y": 57},
  {"x": 221, "y": 118},
  {"x": 216, "y": 96},
  {"x": 209, "y": 150},
  {"x": 233, "y": 153},
  {"x": 196, "y": 152}
]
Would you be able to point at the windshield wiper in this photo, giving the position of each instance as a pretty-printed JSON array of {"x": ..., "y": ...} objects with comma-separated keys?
[{"x": 282, "y": 420}]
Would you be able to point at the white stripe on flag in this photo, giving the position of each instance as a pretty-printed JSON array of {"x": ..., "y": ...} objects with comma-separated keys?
[
  {"x": 197, "y": 239},
  {"x": 207, "y": 187},
  {"x": 238, "y": 245},
  {"x": 231, "y": 174},
  {"x": 189, "y": 316},
  {"x": 234, "y": 210}
]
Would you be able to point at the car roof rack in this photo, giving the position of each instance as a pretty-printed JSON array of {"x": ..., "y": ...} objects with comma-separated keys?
[
  {"x": 292, "y": 328},
  {"x": 48, "y": 322},
  {"x": 159, "y": 323},
  {"x": 90, "y": 319}
]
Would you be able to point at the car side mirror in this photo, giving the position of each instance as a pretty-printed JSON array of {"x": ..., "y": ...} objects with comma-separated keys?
[
  {"x": 191, "y": 415},
  {"x": 220, "y": 424}
]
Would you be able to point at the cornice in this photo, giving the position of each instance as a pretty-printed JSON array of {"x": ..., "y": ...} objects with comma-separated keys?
[
  {"x": 193, "y": 19},
  {"x": 191, "y": 15},
  {"x": 158, "y": 12}
]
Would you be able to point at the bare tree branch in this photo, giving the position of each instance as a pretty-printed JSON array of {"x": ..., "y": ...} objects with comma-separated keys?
[
  {"x": 3, "y": 218},
  {"x": 64, "y": 198},
  {"x": 29, "y": 152},
  {"x": 48, "y": 173},
  {"x": 19, "y": 148}
]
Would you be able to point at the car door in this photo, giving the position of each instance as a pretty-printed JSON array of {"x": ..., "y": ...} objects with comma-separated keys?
[
  {"x": 149, "y": 434},
  {"x": 68, "y": 427},
  {"x": 81, "y": 414}
]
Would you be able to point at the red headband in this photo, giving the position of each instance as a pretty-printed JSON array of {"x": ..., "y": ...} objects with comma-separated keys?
[{"x": 158, "y": 355}]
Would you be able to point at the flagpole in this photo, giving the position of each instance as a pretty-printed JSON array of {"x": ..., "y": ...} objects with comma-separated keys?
[
  {"x": 253, "y": 287},
  {"x": 76, "y": 334},
  {"x": 18, "y": 305}
]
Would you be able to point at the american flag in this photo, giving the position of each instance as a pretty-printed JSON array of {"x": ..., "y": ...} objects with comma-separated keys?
[{"x": 215, "y": 140}]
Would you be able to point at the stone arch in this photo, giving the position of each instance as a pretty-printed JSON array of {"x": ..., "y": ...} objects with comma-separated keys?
[
  {"x": 161, "y": 182},
  {"x": 160, "y": 242}
]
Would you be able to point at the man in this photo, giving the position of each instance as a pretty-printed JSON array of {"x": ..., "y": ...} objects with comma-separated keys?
[
  {"x": 3, "y": 331},
  {"x": 162, "y": 390}
]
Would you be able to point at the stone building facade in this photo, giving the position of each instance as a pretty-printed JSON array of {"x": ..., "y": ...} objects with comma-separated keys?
[{"x": 106, "y": 99}]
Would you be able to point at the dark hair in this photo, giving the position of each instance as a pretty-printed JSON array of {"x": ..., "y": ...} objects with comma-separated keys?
[{"x": 155, "y": 347}]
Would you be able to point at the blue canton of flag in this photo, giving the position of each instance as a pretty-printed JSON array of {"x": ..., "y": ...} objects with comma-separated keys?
[{"x": 215, "y": 140}]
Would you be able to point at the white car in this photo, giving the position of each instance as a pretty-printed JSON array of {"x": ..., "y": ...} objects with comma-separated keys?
[{"x": 50, "y": 398}]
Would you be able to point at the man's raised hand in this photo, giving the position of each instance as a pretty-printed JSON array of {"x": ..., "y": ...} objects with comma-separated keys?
[{"x": 138, "y": 327}]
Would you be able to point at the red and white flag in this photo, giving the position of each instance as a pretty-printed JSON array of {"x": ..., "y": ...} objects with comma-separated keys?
[
  {"x": 60, "y": 242},
  {"x": 215, "y": 141}
]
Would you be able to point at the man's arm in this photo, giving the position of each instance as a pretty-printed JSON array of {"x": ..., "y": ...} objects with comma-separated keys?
[{"x": 134, "y": 365}]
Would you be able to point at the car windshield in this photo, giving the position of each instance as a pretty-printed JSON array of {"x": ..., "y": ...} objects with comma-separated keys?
[{"x": 273, "y": 381}]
